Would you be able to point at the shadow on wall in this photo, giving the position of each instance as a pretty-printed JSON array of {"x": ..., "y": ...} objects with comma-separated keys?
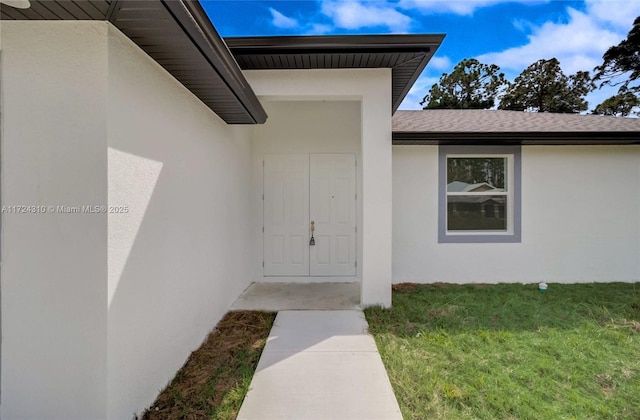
[
  {"x": 178, "y": 258},
  {"x": 174, "y": 251}
]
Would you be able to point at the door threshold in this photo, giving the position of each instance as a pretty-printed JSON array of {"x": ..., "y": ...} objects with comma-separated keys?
[
  {"x": 308, "y": 279},
  {"x": 299, "y": 296}
]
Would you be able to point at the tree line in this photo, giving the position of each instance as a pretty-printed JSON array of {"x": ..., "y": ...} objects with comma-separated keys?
[{"x": 543, "y": 86}]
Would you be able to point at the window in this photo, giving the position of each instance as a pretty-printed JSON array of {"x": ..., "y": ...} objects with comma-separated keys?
[{"x": 479, "y": 194}]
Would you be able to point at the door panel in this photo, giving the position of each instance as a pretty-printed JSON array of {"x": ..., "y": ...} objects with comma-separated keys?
[
  {"x": 286, "y": 215},
  {"x": 301, "y": 188},
  {"x": 333, "y": 209}
]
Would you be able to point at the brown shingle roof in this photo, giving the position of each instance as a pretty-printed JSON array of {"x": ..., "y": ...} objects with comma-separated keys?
[
  {"x": 479, "y": 120},
  {"x": 462, "y": 126}
]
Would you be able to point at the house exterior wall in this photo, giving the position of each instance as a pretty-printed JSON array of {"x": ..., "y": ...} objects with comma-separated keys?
[
  {"x": 54, "y": 264},
  {"x": 177, "y": 259},
  {"x": 372, "y": 88},
  {"x": 99, "y": 310},
  {"x": 301, "y": 127},
  {"x": 580, "y": 220}
]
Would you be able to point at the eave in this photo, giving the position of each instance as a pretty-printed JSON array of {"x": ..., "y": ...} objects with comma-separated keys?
[
  {"x": 405, "y": 55},
  {"x": 557, "y": 138},
  {"x": 175, "y": 33}
]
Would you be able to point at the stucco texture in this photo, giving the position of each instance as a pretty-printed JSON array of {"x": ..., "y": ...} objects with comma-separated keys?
[
  {"x": 99, "y": 310},
  {"x": 372, "y": 88},
  {"x": 580, "y": 220},
  {"x": 54, "y": 264}
]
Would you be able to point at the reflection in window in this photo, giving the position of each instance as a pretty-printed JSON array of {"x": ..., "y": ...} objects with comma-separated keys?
[
  {"x": 479, "y": 197},
  {"x": 476, "y": 193},
  {"x": 487, "y": 172}
]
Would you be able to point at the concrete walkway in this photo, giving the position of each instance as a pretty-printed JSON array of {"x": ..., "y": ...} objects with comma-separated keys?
[
  {"x": 320, "y": 365},
  {"x": 292, "y": 296}
]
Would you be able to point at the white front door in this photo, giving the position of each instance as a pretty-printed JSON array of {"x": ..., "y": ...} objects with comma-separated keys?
[{"x": 298, "y": 190}]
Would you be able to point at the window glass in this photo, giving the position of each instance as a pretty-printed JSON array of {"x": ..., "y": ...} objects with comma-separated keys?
[
  {"x": 466, "y": 174},
  {"x": 476, "y": 193},
  {"x": 479, "y": 194},
  {"x": 479, "y": 212}
]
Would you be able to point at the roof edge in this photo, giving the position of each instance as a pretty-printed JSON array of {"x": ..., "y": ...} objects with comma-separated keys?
[
  {"x": 557, "y": 138},
  {"x": 197, "y": 25},
  {"x": 406, "y": 42},
  {"x": 414, "y": 77},
  {"x": 421, "y": 48}
]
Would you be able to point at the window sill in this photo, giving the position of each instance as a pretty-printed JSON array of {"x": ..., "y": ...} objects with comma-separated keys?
[{"x": 477, "y": 238}]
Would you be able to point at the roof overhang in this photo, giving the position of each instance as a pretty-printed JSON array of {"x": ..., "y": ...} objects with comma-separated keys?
[
  {"x": 405, "y": 55},
  {"x": 498, "y": 127},
  {"x": 557, "y": 138},
  {"x": 175, "y": 33}
]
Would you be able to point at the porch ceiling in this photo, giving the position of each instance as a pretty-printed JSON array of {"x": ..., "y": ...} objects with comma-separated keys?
[
  {"x": 175, "y": 33},
  {"x": 406, "y": 55}
]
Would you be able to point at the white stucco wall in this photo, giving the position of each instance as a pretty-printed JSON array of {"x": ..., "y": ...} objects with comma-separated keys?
[
  {"x": 301, "y": 127},
  {"x": 178, "y": 259},
  {"x": 372, "y": 88},
  {"x": 580, "y": 220},
  {"x": 100, "y": 310},
  {"x": 54, "y": 265}
]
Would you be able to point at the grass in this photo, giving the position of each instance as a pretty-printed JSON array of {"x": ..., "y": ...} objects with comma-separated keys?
[
  {"x": 216, "y": 377},
  {"x": 511, "y": 352}
]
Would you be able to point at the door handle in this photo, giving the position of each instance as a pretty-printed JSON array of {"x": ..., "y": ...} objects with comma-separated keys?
[{"x": 312, "y": 241}]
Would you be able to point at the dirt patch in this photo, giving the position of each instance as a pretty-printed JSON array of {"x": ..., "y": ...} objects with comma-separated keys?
[
  {"x": 405, "y": 287},
  {"x": 223, "y": 364}
]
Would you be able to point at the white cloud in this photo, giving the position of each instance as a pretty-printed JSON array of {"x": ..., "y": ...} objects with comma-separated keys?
[
  {"x": 439, "y": 63},
  {"x": 319, "y": 29},
  {"x": 281, "y": 21},
  {"x": 619, "y": 13},
  {"x": 358, "y": 15},
  {"x": 418, "y": 91},
  {"x": 459, "y": 7},
  {"x": 578, "y": 45}
]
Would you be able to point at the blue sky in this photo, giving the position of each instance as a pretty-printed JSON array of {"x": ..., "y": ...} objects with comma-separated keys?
[{"x": 511, "y": 34}]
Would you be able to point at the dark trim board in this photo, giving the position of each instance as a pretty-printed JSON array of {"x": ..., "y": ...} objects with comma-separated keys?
[
  {"x": 196, "y": 25},
  {"x": 516, "y": 138},
  {"x": 178, "y": 35},
  {"x": 405, "y": 55},
  {"x": 323, "y": 44}
]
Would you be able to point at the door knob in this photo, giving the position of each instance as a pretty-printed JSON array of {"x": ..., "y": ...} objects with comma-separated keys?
[{"x": 312, "y": 241}]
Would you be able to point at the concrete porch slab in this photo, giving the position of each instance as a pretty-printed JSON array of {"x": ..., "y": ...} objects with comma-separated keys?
[
  {"x": 299, "y": 296},
  {"x": 320, "y": 365}
]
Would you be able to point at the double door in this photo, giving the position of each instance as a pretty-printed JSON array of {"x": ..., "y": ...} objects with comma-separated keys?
[{"x": 309, "y": 196}]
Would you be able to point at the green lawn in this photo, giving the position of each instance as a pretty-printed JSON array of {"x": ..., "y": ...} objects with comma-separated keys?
[{"x": 510, "y": 351}]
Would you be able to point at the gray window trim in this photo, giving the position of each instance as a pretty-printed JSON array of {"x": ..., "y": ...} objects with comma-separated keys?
[{"x": 514, "y": 237}]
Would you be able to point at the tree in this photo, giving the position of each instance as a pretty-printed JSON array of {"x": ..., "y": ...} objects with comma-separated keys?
[
  {"x": 543, "y": 87},
  {"x": 622, "y": 59},
  {"x": 476, "y": 170},
  {"x": 471, "y": 85},
  {"x": 620, "y": 105}
]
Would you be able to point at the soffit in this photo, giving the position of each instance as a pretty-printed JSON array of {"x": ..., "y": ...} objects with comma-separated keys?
[
  {"x": 405, "y": 55},
  {"x": 175, "y": 33}
]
